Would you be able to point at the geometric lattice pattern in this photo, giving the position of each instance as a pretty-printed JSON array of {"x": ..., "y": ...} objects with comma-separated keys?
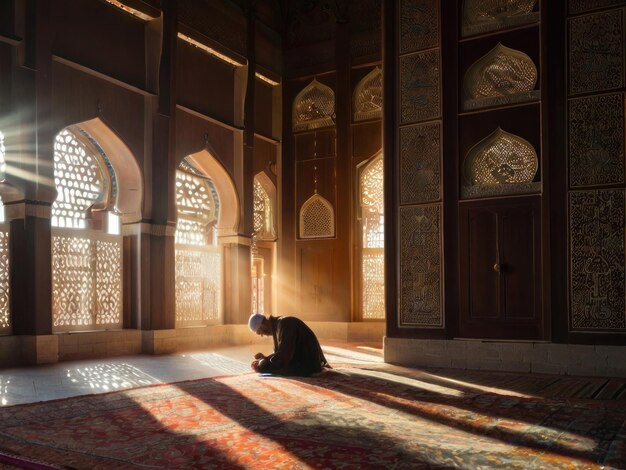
[
  {"x": 420, "y": 163},
  {"x": 373, "y": 241},
  {"x": 317, "y": 218},
  {"x": 314, "y": 107},
  {"x": 597, "y": 255},
  {"x": 421, "y": 266},
  {"x": 500, "y": 72},
  {"x": 197, "y": 208},
  {"x": 262, "y": 216},
  {"x": 579, "y": 6},
  {"x": 481, "y": 16},
  {"x": 420, "y": 98},
  {"x": 86, "y": 280},
  {"x": 198, "y": 285},
  {"x": 3, "y": 162},
  {"x": 596, "y": 140},
  {"x": 500, "y": 158},
  {"x": 596, "y": 52},
  {"x": 81, "y": 180},
  {"x": 368, "y": 96},
  {"x": 5, "y": 313},
  {"x": 419, "y": 25}
]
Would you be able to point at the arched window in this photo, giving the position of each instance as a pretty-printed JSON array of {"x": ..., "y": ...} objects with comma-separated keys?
[
  {"x": 5, "y": 314},
  {"x": 317, "y": 218},
  {"x": 367, "y": 100},
  {"x": 264, "y": 196},
  {"x": 371, "y": 240},
  {"x": 314, "y": 107},
  {"x": 86, "y": 260},
  {"x": 198, "y": 257}
]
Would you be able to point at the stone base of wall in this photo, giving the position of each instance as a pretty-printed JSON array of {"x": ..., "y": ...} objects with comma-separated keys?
[
  {"x": 44, "y": 349},
  {"x": 511, "y": 356}
]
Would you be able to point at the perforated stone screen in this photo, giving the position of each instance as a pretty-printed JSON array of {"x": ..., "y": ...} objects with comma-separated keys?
[
  {"x": 3, "y": 163},
  {"x": 480, "y": 16},
  {"x": 317, "y": 218},
  {"x": 314, "y": 107},
  {"x": 5, "y": 314},
  {"x": 368, "y": 96},
  {"x": 197, "y": 206},
  {"x": 263, "y": 213},
  {"x": 501, "y": 157}
]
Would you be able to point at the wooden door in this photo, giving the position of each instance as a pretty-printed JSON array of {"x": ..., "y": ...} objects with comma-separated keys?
[{"x": 500, "y": 261}]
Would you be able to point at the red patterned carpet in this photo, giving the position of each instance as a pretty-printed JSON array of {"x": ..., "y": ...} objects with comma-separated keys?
[{"x": 351, "y": 417}]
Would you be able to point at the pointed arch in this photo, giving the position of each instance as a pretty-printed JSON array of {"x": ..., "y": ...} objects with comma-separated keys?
[
  {"x": 317, "y": 218},
  {"x": 313, "y": 107},
  {"x": 228, "y": 220},
  {"x": 367, "y": 99},
  {"x": 264, "y": 207}
]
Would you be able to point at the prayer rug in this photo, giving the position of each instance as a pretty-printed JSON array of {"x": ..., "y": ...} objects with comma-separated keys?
[{"x": 352, "y": 417}]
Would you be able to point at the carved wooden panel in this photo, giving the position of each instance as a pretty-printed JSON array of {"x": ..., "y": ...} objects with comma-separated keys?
[
  {"x": 596, "y": 140},
  {"x": 420, "y": 95},
  {"x": 597, "y": 260},
  {"x": 317, "y": 218},
  {"x": 420, "y": 267},
  {"x": 420, "y": 163},
  {"x": 419, "y": 25},
  {"x": 596, "y": 52},
  {"x": 579, "y": 6}
]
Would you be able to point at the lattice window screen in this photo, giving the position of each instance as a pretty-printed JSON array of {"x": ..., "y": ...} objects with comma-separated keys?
[
  {"x": 3, "y": 162},
  {"x": 80, "y": 179},
  {"x": 314, "y": 107},
  {"x": 499, "y": 158},
  {"x": 317, "y": 218},
  {"x": 500, "y": 72},
  {"x": 263, "y": 213},
  {"x": 198, "y": 268},
  {"x": 86, "y": 280},
  {"x": 373, "y": 241},
  {"x": 5, "y": 313},
  {"x": 480, "y": 16},
  {"x": 368, "y": 96}
]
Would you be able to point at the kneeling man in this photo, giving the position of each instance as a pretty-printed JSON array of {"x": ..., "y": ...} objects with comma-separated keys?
[{"x": 296, "y": 349}]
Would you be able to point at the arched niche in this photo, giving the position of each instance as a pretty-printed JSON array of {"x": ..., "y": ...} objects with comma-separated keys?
[
  {"x": 229, "y": 214},
  {"x": 313, "y": 107},
  {"x": 268, "y": 232}
]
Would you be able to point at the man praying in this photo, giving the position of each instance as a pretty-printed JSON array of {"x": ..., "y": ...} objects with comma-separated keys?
[{"x": 296, "y": 348}]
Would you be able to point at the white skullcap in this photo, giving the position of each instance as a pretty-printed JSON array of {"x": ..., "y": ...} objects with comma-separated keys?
[{"x": 254, "y": 322}]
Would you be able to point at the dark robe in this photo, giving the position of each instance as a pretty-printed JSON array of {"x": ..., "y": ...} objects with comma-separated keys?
[{"x": 296, "y": 349}]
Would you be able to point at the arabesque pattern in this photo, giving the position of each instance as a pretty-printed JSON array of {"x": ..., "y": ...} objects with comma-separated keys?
[
  {"x": 5, "y": 313},
  {"x": 314, "y": 107},
  {"x": 317, "y": 218},
  {"x": 368, "y": 96},
  {"x": 198, "y": 285},
  {"x": 481, "y": 16}
]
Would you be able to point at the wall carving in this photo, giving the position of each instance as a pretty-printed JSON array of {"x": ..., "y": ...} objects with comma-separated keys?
[
  {"x": 596, "y": 52},
  {"x": 420, "y": 267},
  {"x": 313, "y": 107},
  {"x": 420, "y": 94},
  {"x": 86, "y": 280},
  {"x": 419, "y": 25},
  {"x": 579, "y": 6},
  {"x": 317, "y": 218},
  {"x": 481, "y": 16},
  {"x": 5, "y": 314},
  {"x": 501, "y": 158},
  {"x": 596, "y": 140},
  {"x": 367, "y": 99},
  {"x": 420, "y": 163},
  {"x": 502, "y": 76},
  {"x": 597, "y": 280},
  {"x": 198, "y": 285}
]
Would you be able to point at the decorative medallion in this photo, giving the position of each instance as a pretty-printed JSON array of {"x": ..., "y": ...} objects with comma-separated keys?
[
  {"x": 596, "y": 140},
  {"x": 419, "y": 25},
  {"x": 596, "y": 52},
  {"x": 420, "y": 163},
  {"x": 420, "y": 96},
  {"x": 597, "y": 280},
  {"x": 420, "y": 267}
]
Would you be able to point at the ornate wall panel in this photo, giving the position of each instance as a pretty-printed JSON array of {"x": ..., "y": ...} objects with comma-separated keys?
[
  {"x": 420, "y": 267},
  {"x": 198, "y": 285},
  {"x": 420, "y": 93},
  {"x": 317, "y": 218},
  {"x": 86, "y": 280},
  {"x": 579, "y": 6},
  {"x": 420, "y": 163},
  {"x": 596, "y": 52},
  {"x": 597, "y": 280},
  {"x": 596, "y": 140},
  {"x": 5, "y": 314},
  {"x": 419, "y": 25},
  {"x": 313, "y": 107}
]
